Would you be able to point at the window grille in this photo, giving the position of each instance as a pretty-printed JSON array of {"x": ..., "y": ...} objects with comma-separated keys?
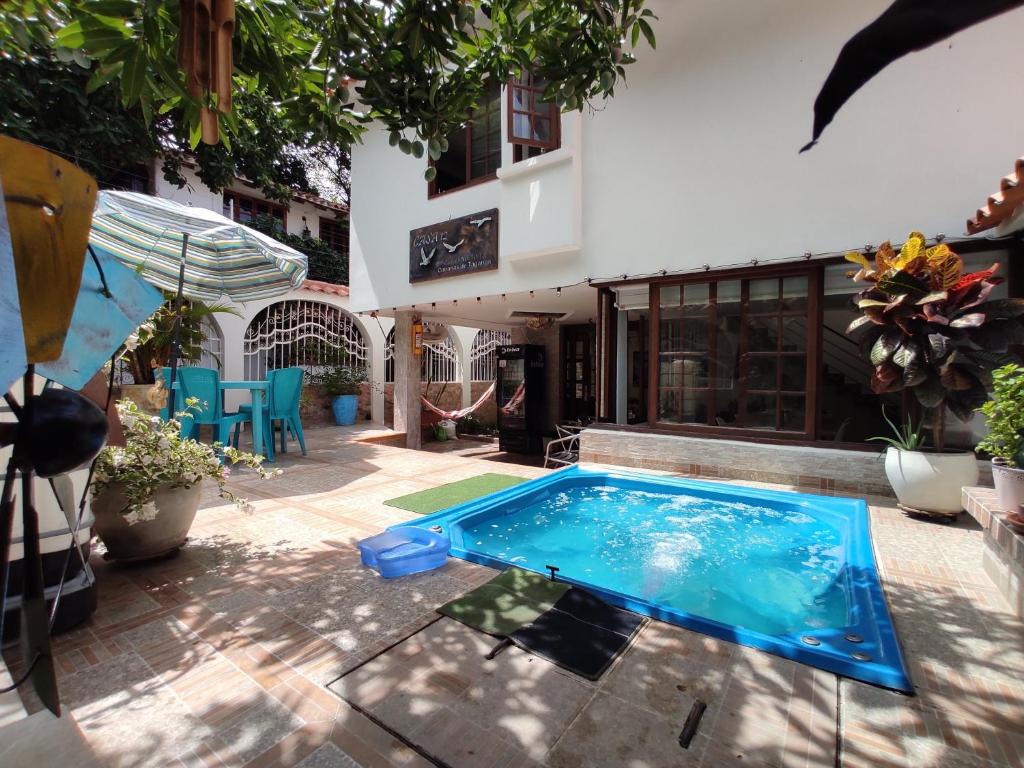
[
  {"x": 483, "y": 354},
  {"x": 309, "y": 334}
]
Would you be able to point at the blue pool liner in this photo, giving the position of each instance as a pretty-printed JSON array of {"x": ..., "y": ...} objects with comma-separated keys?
[{"x": 868, "y": 632}]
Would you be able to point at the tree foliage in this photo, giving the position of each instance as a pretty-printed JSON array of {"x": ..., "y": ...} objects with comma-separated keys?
[
  {"x": 324, "y": 262},
  {"x": 328, "y": 69}
]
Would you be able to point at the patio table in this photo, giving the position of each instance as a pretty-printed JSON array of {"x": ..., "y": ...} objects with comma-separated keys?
[{"x": 256, "y": 389}]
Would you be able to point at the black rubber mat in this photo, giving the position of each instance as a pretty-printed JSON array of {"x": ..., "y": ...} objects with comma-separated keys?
[{"x": 580, "y": 632}]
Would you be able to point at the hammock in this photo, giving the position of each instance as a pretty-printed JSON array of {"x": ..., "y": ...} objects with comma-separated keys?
[{"x": 462, "y": 411}]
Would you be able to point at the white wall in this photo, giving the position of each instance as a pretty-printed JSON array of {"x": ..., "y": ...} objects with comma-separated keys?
[
  {"x": 540, "y": 222},
  {"x": 695, "y": 160},
  {"x": 196, "y": 193}
]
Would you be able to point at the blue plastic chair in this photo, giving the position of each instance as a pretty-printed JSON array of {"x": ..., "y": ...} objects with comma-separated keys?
[
  {"x": 179, "y": 405},
  {"x": 284, "y": 387},
  {"x": 204, "y": 385}
]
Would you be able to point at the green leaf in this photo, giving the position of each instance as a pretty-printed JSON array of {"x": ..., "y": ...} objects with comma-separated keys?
[
  {"x": 648, "y": 33},
  {"x": 134, "y": 76},
  {"x": 103, "y": 75},
  {"x": 903, "y": 283},
  {"x": 417, "y": 149},
  {"x": 858, "y": 323},
  {"x": 430, "y": 174},
  {"x": 972, "y": 320},
  {"x": 933, "y": 296},
  {"x": 393, "y": 138},
  {"x": 635, "y": 35},
  {"x": 885, "y": 346}
]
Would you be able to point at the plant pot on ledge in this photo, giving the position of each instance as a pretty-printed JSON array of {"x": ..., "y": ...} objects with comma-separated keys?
[
  {"x": 928, "y": 482},
  {"x": 1009, "y": 484}
]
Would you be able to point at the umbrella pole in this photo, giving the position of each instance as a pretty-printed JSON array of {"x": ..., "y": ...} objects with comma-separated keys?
[{"x": 176, "y": 332}]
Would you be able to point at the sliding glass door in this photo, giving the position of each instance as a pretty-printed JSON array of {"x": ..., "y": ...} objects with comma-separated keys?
[{"x": 734, "y": 354}]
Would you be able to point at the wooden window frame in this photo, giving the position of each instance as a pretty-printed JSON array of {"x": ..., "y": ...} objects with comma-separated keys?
[
  {"x": 525, "y": 82},
  {"x": 237, "y": 197},
  {"x": 432, "y": 191},
  {"x": 333, "y": 224},
  {"x": 814, "y": 274}
]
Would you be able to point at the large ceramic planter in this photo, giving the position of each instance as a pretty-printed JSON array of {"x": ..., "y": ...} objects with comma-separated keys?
[
  {"x": 1009, "y": 483},
  {"x": 930, "y": 482},
  {"x": 345, "y": 408},
  {"x": 176, "y": 509},
  {"x": 149, "y": 397}
]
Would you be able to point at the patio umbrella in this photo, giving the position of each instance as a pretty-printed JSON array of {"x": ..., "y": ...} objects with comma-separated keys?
[{"x": 193, "y": 252}]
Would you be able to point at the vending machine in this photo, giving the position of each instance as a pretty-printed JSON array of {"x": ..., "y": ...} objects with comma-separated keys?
[{"x": 520, "y": 398}]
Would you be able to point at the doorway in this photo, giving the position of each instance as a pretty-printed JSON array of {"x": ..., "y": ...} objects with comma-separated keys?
[{"x": 577, "y": 374}]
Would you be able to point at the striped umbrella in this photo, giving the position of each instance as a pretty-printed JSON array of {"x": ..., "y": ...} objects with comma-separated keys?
[
  {"x": 193, "y": 252},
  {"x": 223, "y": 258}
]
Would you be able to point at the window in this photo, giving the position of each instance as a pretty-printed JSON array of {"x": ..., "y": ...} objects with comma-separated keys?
[
  {"x": 734, "y": 353},
  {"x": 474, "y": 151},
  {"x": 533, "y": 124},
  {"x": 334, "y": 232},
  {"x": 244, "y": 209}
]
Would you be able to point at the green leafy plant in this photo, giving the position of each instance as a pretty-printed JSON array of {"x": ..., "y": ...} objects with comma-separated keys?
[
  {"x": 1004, "y": 416},
  {"x": 343, "y": 380},
  {"x": 149, "y": 348},
  {"x": 156, "y": 456},
  {"x": 906, "y": 436},
  {"x": 325, "y": 263},
  {"x": 330, "y": 69},
  {"x": 929, "y": 328}
]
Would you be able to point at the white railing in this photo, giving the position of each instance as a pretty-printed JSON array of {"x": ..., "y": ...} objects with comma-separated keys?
[
  {"x": 483, "y": 356},
  {"x": 439, "y": 361},
  {"x": 309, "y": 334}
]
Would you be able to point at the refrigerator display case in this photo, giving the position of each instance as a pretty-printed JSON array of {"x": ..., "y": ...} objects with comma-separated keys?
[{"x": 520, "y": 398}]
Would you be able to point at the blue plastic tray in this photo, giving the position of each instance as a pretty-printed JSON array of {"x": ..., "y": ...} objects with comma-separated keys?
[{"x": 403, "y": 551}]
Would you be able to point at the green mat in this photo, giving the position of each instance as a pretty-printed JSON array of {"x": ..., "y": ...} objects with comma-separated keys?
[
  {"x": 450, "y": 494},
  {"x": 506, "y": 603}
]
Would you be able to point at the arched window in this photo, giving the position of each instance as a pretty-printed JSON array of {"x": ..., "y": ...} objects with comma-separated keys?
[
  {"x": 310, "y": 334},
  {"x": 483, "y": 354},
  {"x": 213, "y": 345},
  {"x": 439, "y": 361}
]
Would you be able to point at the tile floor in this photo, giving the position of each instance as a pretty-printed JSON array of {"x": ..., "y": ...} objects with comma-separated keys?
[{"x": 264, "y": 643}]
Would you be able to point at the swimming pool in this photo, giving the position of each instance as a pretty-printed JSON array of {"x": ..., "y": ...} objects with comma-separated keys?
[{"x": 792, "y": 574}]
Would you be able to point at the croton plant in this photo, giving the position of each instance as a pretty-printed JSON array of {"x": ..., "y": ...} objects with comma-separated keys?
[{"x": 930, "y": 328}]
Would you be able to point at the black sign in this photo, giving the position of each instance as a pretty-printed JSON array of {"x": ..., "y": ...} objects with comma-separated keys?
[{"x": 455, "y": 247}]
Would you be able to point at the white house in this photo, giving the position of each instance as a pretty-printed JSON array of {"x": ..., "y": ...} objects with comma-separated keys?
[{"x": 677, "y": 233}]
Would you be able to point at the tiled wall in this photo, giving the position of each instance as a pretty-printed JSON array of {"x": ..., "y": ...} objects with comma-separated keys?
[
  {"x": 826, "y": 469},
  {"x": 1003, "y": 558}
]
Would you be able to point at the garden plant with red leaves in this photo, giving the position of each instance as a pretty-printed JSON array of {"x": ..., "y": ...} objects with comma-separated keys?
[{"x": 929, "y": 328}]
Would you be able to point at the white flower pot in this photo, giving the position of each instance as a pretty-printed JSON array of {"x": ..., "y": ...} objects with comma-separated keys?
[
  {"x": 175, "y": 510},
  {"x": 1009, "y": 483},
  {"x": 930, "y": 482}
]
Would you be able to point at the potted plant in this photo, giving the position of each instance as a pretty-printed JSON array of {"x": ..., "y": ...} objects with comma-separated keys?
[
  {"x": 149, "y": 347},
  {"x": 931, "y": 329},
  {"x": 342, "y": 383},
  {"x": 1004, "y": 417},
  {"x": 146, "y": 494}
]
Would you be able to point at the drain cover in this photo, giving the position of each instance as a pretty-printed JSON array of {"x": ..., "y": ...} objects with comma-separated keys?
[
  {"x": 852, "y": 638},
  {"x": 808, "y": 640},
  {"x": 861, "y": 656}
]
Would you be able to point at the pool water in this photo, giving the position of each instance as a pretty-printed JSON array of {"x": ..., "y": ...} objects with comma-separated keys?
[
  {"x": 754, "y": 566},
  {"x": 790, "y": 573}
]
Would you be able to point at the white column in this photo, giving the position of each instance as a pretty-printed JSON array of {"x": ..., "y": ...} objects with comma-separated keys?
[
  {"x": 621, "y": 368},
  {"x": 407, "y": 382},
  {"x": 378, "y": 345},
  {"x": 463, "y": 338}
]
